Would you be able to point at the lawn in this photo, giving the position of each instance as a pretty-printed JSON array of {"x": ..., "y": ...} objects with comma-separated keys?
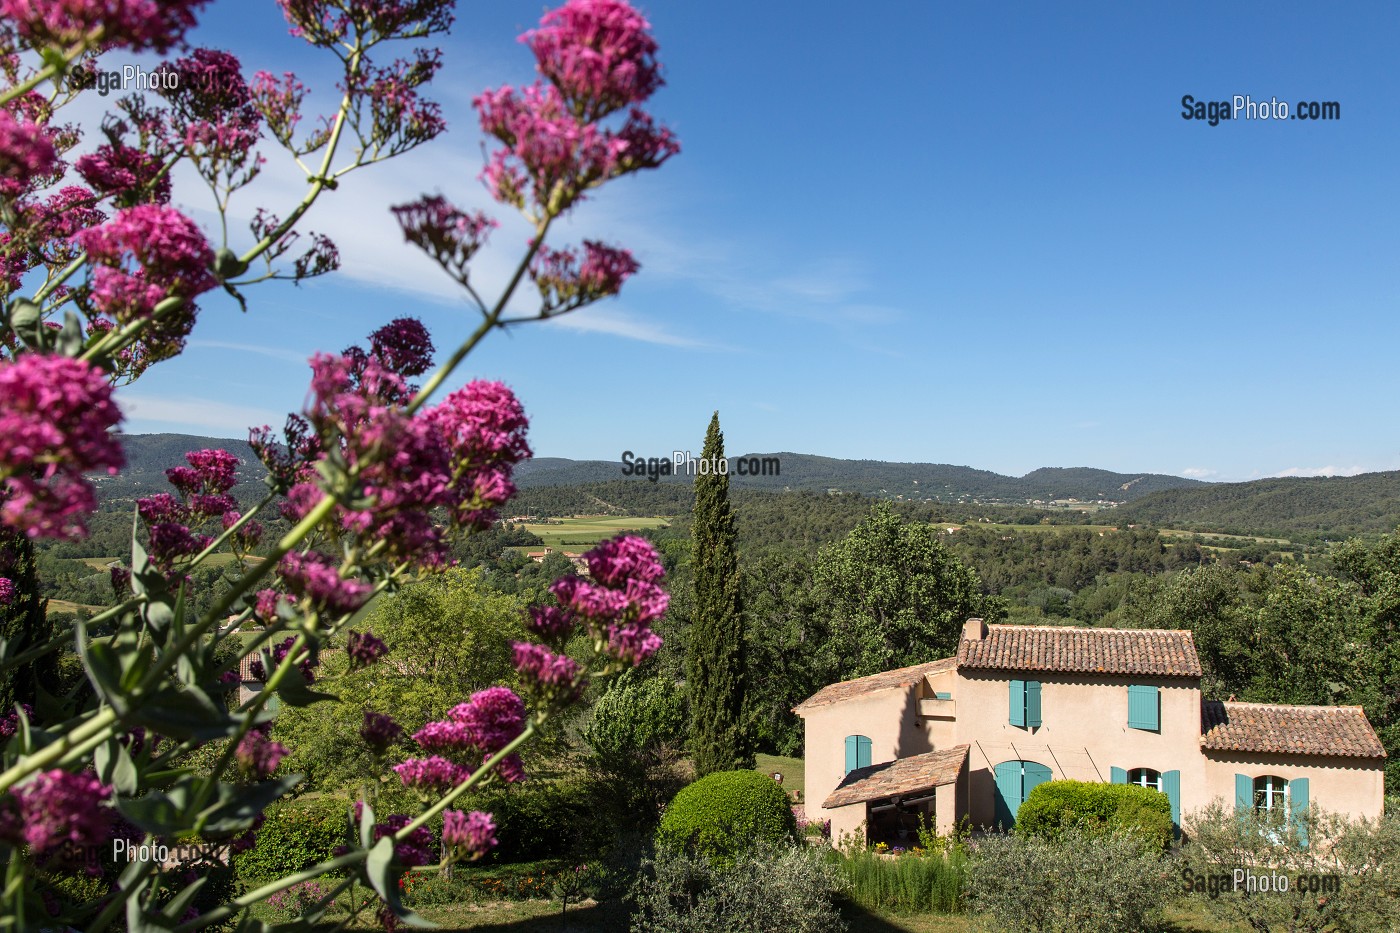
[
  {"x": 794, "y": 775},
  {"x": 586, "y": 531}
]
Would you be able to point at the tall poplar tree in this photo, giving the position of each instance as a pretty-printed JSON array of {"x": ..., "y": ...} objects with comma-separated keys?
[{"x": 715, "y": 660}]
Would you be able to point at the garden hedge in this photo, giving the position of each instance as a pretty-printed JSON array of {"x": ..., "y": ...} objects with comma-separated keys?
[
  {"x": 723, "y": 813},
  {"x": 297, "y": 834},
  {"x": 1054, "y": 806}
]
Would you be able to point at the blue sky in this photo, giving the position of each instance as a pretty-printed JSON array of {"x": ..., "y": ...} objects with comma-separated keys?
[{"x": 974, "y": 234}]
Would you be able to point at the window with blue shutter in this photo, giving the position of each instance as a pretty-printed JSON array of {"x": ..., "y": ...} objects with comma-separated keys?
[
  {"x": 1117, "y": 776},
  {"x": 1144, "y": 708},
  {"x": 857, "y": 752},
  {"x": 1244, "y": 794},
  {"x": 1014, "y": 782},
  {"x": 1024, "y": 703}
]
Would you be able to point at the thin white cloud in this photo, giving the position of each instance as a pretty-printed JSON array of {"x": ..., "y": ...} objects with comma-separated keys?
[
  {"x": 620, "y": 323},
  {"x": 1199, "y": 472},
  {"x": 197, "y": 415},
  {"x": 1322, "y": 471},
  {"x": 276, "y": 353}
]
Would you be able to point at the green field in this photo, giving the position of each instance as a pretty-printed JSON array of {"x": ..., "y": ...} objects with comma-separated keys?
[{"x": 586, "y": 531}]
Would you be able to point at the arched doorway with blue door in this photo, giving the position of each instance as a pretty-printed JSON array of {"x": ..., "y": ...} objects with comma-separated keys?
[{"x": 1014, "y": 782}]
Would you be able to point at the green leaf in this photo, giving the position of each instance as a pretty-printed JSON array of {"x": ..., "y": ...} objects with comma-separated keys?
[
  {"x": 114, "y": 766},
  {"x": 70, "y": 338},
  {"x": 159, "y": 813},
  {"x": 238, "y": 806},
  {"x": 185, "y": 713},
  {"x": 27, "y": 321},
  {"x": 366, "y": 824},
  {"x": 175, "y": 909},
  {"x": 294, "y": 690}
]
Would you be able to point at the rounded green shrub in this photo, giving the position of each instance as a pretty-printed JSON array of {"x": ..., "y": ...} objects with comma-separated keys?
[
  {"x": 726, "y": 812},
  {"x": 546, "y": 820},
  {"x": 1096, "y": 809},
  {"x": 296, "y": 835}
]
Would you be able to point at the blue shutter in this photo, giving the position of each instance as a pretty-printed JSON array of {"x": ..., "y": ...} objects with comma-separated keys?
[
  {"x": 942, "y": 696},
  {"x": 1244, "y": 793},
  {"x": 1008, "y": 796},
  {"x": 1143, "y": 708},
  {"x": 1117, "y": 776},
  {"x": 851, "y": 752},
  {"x": 1033, "y": 703},
  {"x": 1018, "y": 702},
  {"x": 862, "y": 752},
  {"x": 1171, "y": 786},
  {"x": 1297, "y": 806}
]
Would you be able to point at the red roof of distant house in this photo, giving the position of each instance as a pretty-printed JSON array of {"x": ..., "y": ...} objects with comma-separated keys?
[{"x": 903, "y": 677}]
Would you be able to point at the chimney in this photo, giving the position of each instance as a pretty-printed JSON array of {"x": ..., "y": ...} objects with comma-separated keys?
[{"x": 974, "y": 630}]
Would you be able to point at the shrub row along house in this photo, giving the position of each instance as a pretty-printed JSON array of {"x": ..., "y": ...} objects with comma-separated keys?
[{"x": 969, "y": 736}]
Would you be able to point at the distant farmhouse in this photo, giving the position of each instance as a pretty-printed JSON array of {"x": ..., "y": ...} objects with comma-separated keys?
[
  {"x": 578, "y": 560},
  {"x": 971, "y": 735}
]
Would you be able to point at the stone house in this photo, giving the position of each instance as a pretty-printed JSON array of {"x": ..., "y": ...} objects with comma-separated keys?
[{"x": 969, "y": 736}]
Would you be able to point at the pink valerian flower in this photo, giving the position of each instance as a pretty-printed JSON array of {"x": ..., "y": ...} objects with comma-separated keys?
[
  {"x": 279, "y": 102},
  {"x": 380, "y": 731},
  {"x": 266, "y": 604},
  {"x": 246, "y": 537},
  {"x": 257, "y": 755},
  {"x": 624, "y": 599},
  {"x": 26, "y": 153},
  {"x": 168, "y": 249},
  {"x": 121, "y": 582},
  {"x": 564, "y": 284},
  {"x": 599, "y": 54},
  {"x": 134, "y": 24},
  {"x": 306, "y": 665},
  {"x": 400, "y": 118},
  {"x": 469, "y": 835},
  {"x": 492, "y": 717},
  {"x": 626, "y": 557},
  {"x": 212, "y": 109},
  {"x": 131, "y": 175},
  {"x": 551, "y": 623},
  {"x": 551, "y": 154},
  {"x": 413, "y": 851},
  {"x": 7, "y": 591},
  {"x": 56, "y": 807},
  {"x": 445, "y": 736},
  {"x": 171, "y": 540},
  {"x": 451, "y": 237},
  {"x": 315, "y": 577},
  {"x": 55, "y": 415},
  {"x": 554, "y": 677},
  {"x": 483, "y": 426},
  {"x": 364, "y": 650},
  {"x": 9, "y": 723},
  {"x": 404, "y": 346},
  {"x": 216, "y": 469},
  {"x": 435, "y": 774}
]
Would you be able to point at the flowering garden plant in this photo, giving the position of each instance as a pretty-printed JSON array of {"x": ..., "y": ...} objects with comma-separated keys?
[{"x": 100, "y": 279}]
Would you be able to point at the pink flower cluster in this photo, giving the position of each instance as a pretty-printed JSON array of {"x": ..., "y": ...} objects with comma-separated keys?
[
  {"x": 279, "y": 652},
  {"x": 364, "y": 650},
  {"x": 133, "y": 24},
  {"x": 203, "y": 488},
  {"x": 564, "y": 284},
  {"x": 55, "y": 415},
  {"x": 213, "y": 116},
  {"x": 257, "y": 755},
  {"x": 599, "y": 54},
  {"x": 451, "y": 237},
  {"x": 617, "y": 607},
  {"x": 315, "y": 577},
  {"x": 56, "y": 807},
  {"x": 413, "y": 851},
  {"x": 329, "y": 22},
  {"x": 129, "y": 174},
  {"x": 456, "y": 456},
  {"x": 26, "y": 153},
  {"x": 477, "y": 730},
  {"x": 380, "y": 731},
  {"x": 469, "y": 835},
  {"x": 143, "y": 255},
  {"x": 9, "y": 723},
  {"x": 7, "y": 591},
  {"x": 598, "y": 58}
]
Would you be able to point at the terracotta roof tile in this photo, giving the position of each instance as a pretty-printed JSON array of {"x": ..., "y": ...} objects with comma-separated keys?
[
  {"x": 900, "y": 777},
  {"x": 1297, "y": 730},
  {"x": 1153, "y": 652},
  {"x": 902, "y": 677}
]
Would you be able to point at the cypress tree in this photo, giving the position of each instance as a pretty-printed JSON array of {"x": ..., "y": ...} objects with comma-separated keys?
[{"x": 715, "y": 660}]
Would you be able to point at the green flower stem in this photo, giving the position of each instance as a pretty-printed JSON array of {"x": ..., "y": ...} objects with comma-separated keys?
[
  {"x": 232, "y": 530},
  {"x": 118, "y": 904},
  {"x": 53, "y": 68},
  {"x": 58, "y": 641},
  {"x": 492, "y": 319},
  {"x": 269, "y": 889},
  {"x": 65, "y": 275},
  {"x": 51, "y": 754}
]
